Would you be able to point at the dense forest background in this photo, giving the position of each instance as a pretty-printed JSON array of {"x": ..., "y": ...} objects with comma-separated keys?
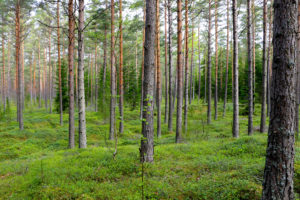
[{"x": 165, "y": 99}]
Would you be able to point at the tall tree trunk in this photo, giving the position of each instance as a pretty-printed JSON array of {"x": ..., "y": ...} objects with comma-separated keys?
[
  {"x": 3, "y": 73},
  {"x": 192, "y": 65},
  {"x": 19, "y": 66},
  {"x": 205, "y": 75},
  {"x": 186, "y": 82},
  {"x": 76, "y": 77},
  {"x": 104, "y": 58},
  {"x": 81, "y": 94},
  {"x": 269, "y": 61},
  {"x": 179, "y": 72},
  {"x": 253, "y": 51},
  {"x": 175, "y": 87},
  {"x": 250, "y": 73},
  {"x": 298, "y": 77},
  {"x": 71, "y": 75},
  {"x": 264, "y": 78},
  {"x": 279, "y": 167},
  {"x": 8, "y": 72},
  {"x": 96, "y": 79},
  {"x": 227, "y": 61},
  {"x": 59, "y": 68},
  {"x": 235, "y": 127},
  {"x": 209, "y": 65},
  {"x": 34, "y": 82},
  {"x": 91, "y": 85},
  {"x": 22, "y": 69},
  {"x": 121, "y": 90},
  {"x": 166, "y": 65},
  {"x": 30, "y": 81},
  {"x": 170, "y": 119},
  {"x": 45, "y": 80},
  {"x": 217, "y": 59},
  {"x": 49, "y": 81},
  {"x": 158, "y": 71},
  {"x": 147, "y": 147},
  {"x": 40, "y": 76},
  {"x": 113, "y": 75},
  {"x": 143, "y": 53},
  {"x": 88, "y": 81},
  {"x": 199, "y": 68}
]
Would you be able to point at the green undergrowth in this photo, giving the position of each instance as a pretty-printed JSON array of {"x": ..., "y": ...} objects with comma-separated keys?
[{"x": 208, "y": 164}]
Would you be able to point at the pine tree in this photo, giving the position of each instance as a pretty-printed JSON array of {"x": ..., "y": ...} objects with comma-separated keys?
[{"x": 279, "y": 167}]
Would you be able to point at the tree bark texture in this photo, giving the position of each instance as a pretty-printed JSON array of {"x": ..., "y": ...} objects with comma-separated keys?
[
  {"x": 147, "y": 144},
  {"x": 279, "y": 167}
]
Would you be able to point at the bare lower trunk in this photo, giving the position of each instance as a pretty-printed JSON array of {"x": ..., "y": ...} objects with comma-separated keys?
[
  {"x": 192, "y": 66},
  {"x": 250, "y": 73},
  {"x": 30, "y": 83},
  {"x": 170, "y": 122},
  {"x": 186, "y": 74},
  {"x": 269, "y": 63},
  {"x": 40, "y": 78},
  {"x": 158, "y": 71},
  {"x": 71, "y": 76},
  {"x": 166, "y": 65},
  {"x": 147, "y": 146},
  {"x": 253, "y": 46},
  {"x": 59, "y": 69},
  {"x": 3, "y": 74},
  {"x": 113, "y": 76},
  {"x": 298, "y": 78},
  {"x": 19, "y": 67},
  {"x": 121, "y": 92},
  {"x": 81, "y": 95},
  {"x": 279, "y": 168},
  {"x": 205, "y": 76},
  {"x": 96, "y": 79},
  {"x": 8, "y": 73},
  {"x": 209, "y": 66},
  {"x": 264, "y": 79},
  {"x": 143, "y": 53},
  {"x": 227, "y": 62},
  {"x": 76, "y": 77},
  {"x": 199, "y": 69},
  {"x": 179, "y": 73},
  {"x": 217, "y": 60},
  {"x": 46, "y": 87},
  {"x": 235, "y": 127},
  {"x": 50, "y": 74},
  {"x": 104, "y": 59}
]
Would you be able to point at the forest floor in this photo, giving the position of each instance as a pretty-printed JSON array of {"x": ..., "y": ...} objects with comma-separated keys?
[{"x": 208, "y": 164}]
